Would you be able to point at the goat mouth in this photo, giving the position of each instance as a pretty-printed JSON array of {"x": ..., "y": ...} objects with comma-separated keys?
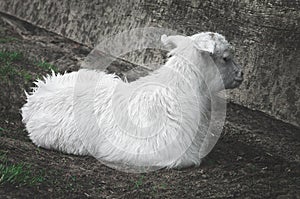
[
  {"x": 239, "y": 80},
  {"x": 236, "y": 83}
]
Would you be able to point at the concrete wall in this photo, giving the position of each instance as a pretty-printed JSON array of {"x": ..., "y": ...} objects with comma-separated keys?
[{"x": 265, "y": 33}]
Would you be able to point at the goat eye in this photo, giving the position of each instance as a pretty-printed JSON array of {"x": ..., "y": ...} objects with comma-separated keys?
[{"x": 225, "y": 59}]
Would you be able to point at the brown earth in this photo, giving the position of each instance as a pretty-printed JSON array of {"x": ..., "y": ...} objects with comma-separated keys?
[{"x": 256, "y": 157}]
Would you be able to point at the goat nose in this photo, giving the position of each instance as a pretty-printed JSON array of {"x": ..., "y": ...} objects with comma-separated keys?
[
  {"x": 241, "y": 73},
  {"x": 239, "y": 76}
]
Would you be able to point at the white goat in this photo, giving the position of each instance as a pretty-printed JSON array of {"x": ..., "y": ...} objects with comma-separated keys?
[{"x": 158, "y": 121}]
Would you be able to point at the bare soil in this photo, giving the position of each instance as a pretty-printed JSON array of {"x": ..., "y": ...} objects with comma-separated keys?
[{"x": 256, "y": 157}]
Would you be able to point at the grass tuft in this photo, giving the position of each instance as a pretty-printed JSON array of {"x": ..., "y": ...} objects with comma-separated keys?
[
  {"x": 11, "y": 67},
  {"x": 7, "y": 70},
  {"x": 7, "y": 40},
  {"x": 17, "y": 174},
  {"x": 46, "y": 65},
  {"x": 10, "y": 56},
  {"x": 138, "y": 182}
]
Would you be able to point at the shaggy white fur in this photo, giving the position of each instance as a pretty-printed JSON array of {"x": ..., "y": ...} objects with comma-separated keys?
[{"x": 157, "y": 121}]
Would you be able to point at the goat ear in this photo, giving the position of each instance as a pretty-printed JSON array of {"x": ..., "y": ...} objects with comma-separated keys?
[
  {"x": 173, "y": 41},
  {"x": 206, "y": 45}
]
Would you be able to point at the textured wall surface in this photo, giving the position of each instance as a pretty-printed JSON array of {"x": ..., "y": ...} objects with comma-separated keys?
[{"x": 266, "y": 35}]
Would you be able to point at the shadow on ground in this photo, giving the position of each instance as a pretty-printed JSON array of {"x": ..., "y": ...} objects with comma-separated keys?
[{"x": 256, "y": 156}]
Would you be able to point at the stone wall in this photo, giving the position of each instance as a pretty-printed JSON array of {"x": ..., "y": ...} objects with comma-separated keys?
[{"x": 266, "y": 35}]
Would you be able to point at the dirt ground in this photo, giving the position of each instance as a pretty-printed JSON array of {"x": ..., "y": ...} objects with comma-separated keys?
[{"x": 256, "y": 157}]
